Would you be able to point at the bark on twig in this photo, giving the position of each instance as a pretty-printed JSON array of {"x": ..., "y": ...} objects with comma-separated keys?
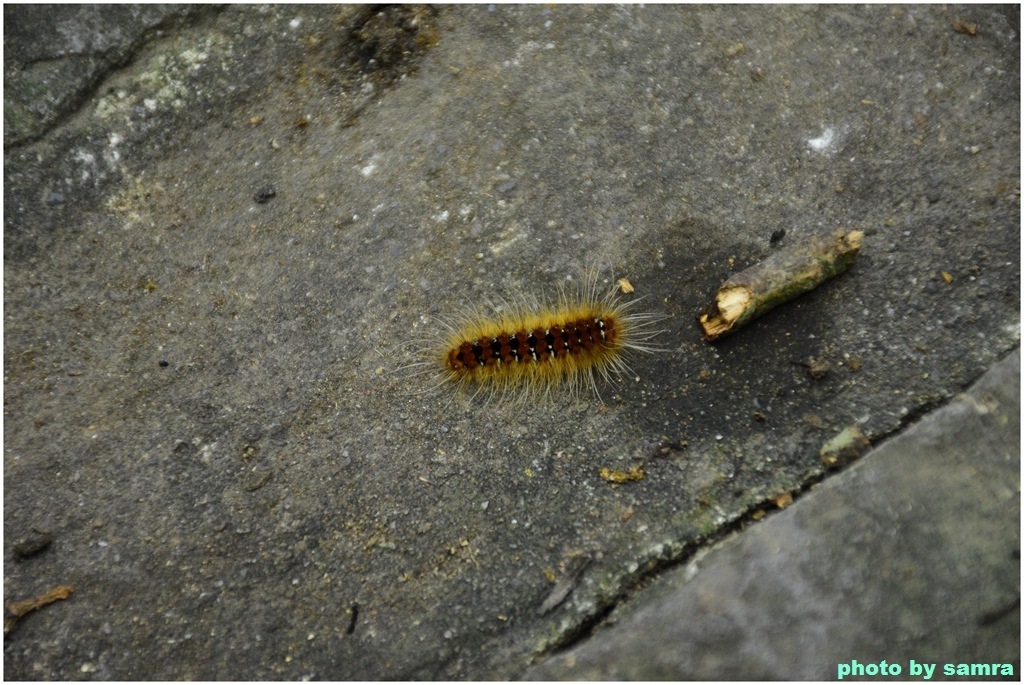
[{"x": 780, "y": 278}]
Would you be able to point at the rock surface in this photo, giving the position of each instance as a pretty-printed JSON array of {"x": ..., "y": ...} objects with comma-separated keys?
[
  {"x": 224, "y": 249},
  {"x": 912, "y": 553}
]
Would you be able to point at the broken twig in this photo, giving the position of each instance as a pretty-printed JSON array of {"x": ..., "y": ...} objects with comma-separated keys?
[
  {"x": 574, "y": 569},
  {"x": 783, "y": 276},
  {"x": 13, "y": 611}
]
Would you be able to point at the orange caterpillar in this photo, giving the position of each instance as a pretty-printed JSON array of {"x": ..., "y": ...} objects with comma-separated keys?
[{"x": 528, "y": 348}]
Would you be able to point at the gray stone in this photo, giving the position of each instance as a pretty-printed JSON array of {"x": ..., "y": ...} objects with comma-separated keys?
[
  {"x": 667, "y": 143},
  {"x": 55, "y": 55},
  {"x": 912, "y": 553}
]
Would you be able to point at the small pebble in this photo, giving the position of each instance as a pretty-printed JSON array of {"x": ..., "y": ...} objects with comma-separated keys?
[{"x": 264, "y": 194}]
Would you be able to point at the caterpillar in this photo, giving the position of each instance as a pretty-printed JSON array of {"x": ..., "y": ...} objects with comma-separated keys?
[{"x": 525, "y": 351}]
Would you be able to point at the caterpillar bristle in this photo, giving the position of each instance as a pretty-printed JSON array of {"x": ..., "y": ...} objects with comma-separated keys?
[{"x": 538, "y": 350}]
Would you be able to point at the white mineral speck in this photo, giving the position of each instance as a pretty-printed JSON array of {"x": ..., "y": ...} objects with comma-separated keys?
[{"x": 823, "y": 142}]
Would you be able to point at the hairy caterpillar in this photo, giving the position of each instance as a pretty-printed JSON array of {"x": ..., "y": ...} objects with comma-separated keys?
[{"x": 526, "y": 350}]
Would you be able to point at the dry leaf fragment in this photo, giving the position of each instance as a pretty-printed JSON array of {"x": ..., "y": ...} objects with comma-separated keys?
[
  {"x": 965, "y": 27},
  {"x": 634, "y": 473},
  {"x": 784, "y": 500},
  {"x": 845, "y": 447}
]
